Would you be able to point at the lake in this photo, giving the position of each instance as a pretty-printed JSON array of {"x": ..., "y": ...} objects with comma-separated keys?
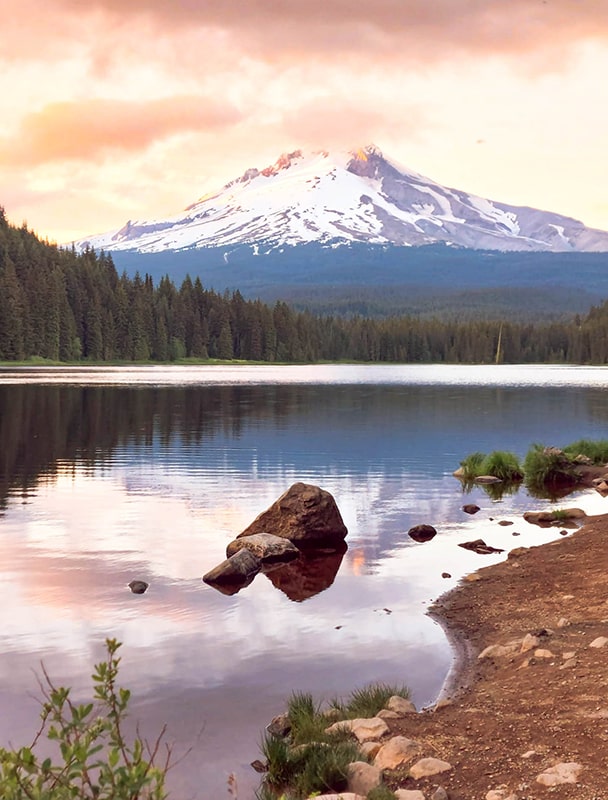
[{"x": 114, "y": 474}]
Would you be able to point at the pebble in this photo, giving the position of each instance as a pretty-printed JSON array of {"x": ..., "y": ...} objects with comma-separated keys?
[
  {"x": 564, "y": 772},
  {"x": 429, "y": 766}
]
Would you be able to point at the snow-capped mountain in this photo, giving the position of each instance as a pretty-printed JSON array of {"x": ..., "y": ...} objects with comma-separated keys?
[{"x": 359, "y": 196}]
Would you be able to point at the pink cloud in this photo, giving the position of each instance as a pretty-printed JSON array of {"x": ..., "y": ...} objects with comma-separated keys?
[
  {"x": 409, "y": 25},
  {"x": 90, "y": 128},
  {"x": 331, "y": 122},
  {"x": 404, "y": 29}
]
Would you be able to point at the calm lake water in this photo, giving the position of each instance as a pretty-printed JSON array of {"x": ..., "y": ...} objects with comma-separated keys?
[{"x": 107, "y": 475}]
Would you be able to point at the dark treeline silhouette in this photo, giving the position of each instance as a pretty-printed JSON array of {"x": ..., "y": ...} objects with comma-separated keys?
[{"x": 63, "y": 306}]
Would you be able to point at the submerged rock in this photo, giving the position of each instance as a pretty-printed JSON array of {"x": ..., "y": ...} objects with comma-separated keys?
[
  {"x": 470, "y": 508},
  {"x": 305, "y": 514},
  {"x": 556, "y": 517},
  {"x": 138, "y": 587},
  {"x": 479, "y": 546}
]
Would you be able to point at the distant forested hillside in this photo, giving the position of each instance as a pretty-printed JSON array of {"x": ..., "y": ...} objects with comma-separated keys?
[
  {"x": 384, "y": 280},
  {"x": 56, "y": 304}
]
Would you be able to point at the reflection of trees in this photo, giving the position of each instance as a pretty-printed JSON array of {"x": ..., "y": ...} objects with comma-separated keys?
[{"x": 41, "y": 426}]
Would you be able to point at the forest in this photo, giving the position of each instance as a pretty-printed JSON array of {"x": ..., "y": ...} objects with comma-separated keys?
[{"x": 58, "y": 305}]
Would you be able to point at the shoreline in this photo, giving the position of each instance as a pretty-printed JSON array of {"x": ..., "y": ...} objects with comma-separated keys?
[{"x": 502, "y": 719}]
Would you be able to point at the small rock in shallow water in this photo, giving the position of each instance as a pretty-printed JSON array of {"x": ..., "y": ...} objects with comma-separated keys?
[
  {"x": 422, "y": 533},
  {"x": 479, "y": 546},
  {"x": 138, "y": 587},
  {"x": 470, "y": 508},
  {"x": 445, "y": 575}
]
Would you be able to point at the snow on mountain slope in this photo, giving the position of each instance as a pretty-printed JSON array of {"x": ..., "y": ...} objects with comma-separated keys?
[{"x": 358, "y": 196}]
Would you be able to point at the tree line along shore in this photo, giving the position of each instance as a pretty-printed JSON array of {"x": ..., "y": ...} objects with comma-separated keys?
[{"x": 62, "y": 306}]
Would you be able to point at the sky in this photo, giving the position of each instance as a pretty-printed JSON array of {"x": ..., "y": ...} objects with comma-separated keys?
[{"x": 113, "y": 110}]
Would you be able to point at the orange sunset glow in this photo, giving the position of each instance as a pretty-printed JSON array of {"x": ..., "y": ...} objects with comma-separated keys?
[{"x": 112, "y": 111}]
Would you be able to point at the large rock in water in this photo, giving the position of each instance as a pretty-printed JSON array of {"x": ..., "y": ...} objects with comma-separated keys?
[
  {"x": 268, "y": 548},
  {"x": 306, "y": 515}
]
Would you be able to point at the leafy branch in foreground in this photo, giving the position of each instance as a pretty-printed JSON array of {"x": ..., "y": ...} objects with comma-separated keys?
[{"x": 95, "y": 760}]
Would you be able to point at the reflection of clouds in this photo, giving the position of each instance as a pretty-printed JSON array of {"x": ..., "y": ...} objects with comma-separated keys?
[
  {"x": 164, "y": 513},
  {"x": 84, "y": 537}
]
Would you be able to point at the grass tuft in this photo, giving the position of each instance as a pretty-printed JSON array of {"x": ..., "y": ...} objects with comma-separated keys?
[
  {"x": 324, "y": 768},
  {"x": 547, "y": 466},
  {"x": 279, "y": 760},
  {"x": 307, "y": 722},
  {"x": 504, "y": 465},
  {"x": 381, "y": 792},
  {"x": 597, "y": 451},
  {"x": 499, "y": 463},
  {"x": 367, "y": 701},
  {"x": 311, "y": 760},
  {"x": 471, "y": 465}
]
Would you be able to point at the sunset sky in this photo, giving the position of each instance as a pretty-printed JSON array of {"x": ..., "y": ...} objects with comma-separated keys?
[{"x": 130, "y": 109}]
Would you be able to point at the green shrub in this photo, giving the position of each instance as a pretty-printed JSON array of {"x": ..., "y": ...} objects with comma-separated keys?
[{"x": 96, "y": 761}]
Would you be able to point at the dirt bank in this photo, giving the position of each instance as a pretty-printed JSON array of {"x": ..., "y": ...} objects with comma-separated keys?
[{"x": 511, "y": 716}]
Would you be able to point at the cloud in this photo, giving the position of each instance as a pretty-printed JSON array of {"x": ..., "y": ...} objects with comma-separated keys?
[
  {"x": 91, "y": 128},
  {"x": 403, "y": 28},
  {"x": 332, "y": 122}
]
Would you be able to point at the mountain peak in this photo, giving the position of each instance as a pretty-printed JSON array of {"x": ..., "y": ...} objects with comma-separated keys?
[
  {"x": 364, "y": 153},
  {"x": 354, "y": 196}
]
